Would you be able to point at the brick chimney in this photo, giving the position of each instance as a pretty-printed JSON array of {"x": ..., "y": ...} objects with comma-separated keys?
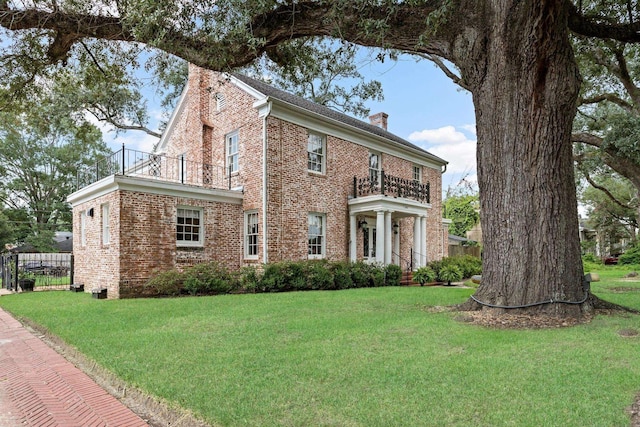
[{"x": 379, "y": 119}]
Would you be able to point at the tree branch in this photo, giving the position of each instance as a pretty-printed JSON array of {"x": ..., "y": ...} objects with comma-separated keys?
[
  {"x": 447, "y": 71},
  {"x": 603, "y": 189},
  {"x": 600, "y": 28},
  {"x": 611, "y": 97},
  {"x": 106, "y": 117}
]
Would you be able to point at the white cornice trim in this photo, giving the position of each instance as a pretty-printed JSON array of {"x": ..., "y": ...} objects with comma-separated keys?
[
  {"x": 399, "y": 206},
  {"x": 151, "y": 186},
  {"x": 326, "y": 125}
]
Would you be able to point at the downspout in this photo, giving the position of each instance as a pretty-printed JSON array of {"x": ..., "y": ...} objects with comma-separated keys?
[{"x": 265, "y": 240}]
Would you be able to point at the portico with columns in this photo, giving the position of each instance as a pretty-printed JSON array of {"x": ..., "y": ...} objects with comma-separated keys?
[{"x": 384, "y": 226}]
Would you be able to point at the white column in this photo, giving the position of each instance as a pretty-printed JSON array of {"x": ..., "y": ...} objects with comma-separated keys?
[
  {"x": 423, "y": 240},
  {"x": 380, "y": 233},
  {"x": 353, "y": 236},
  {"x": 396, "y": 246},
  {"x": 388, "y": 230},
  {"x": 416, "y": 242}
]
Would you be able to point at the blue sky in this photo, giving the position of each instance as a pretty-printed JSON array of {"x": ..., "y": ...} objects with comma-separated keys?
[{"x": 424, "y": 107}]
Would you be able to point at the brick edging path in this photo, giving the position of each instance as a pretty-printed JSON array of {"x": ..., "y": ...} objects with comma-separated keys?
[{"x": 39, "y": 387}]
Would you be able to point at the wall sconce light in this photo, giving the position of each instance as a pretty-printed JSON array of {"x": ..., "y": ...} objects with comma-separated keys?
[
  {"x": 396, "y": 226},
  {"x": 90, "y": 212},
  {"x": 363, "y": 224}
]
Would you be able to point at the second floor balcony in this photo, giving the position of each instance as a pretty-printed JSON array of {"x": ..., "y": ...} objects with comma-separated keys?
[
  {"x": 133, "y": 163},
  {"x": 393, "y": 186}
]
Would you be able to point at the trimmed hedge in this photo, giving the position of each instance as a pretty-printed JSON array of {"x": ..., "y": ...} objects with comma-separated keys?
[{"x": 213, "y": 278}]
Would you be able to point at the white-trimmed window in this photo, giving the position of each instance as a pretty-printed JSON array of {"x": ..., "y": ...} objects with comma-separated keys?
[
  {"x": 417, "y": 174},
  {"x": 83, "y": 228},
  {"x": 316, "y": 152},
  {"x": 232, "y": 151},
  {"x": 374, "y": 166},
  {"x": 106, "y": 230},
  {"x": 189, "y": 230},
  {"x": 251, "y": 235},
  {"x": 317, "y": 235}
]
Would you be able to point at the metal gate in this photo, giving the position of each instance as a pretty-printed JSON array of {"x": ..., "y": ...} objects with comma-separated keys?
[{"x": 48, "y": 270}]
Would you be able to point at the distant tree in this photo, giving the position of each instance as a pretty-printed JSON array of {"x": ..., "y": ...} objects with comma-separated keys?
[
  {"x": 41, "y": 148},
  {"x": 463, "y": 211},
  {"x": 325, "y": 72}
]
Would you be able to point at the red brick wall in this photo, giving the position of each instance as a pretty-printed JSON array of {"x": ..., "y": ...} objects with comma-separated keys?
[{"x": 143, "y": 240}]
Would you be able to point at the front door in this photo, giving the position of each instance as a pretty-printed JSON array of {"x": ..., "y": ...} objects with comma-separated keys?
[{"x": 369, "y": 240}]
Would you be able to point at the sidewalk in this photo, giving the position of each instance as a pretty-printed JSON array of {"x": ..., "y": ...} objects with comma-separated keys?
[{"x": 38, "y": 387}]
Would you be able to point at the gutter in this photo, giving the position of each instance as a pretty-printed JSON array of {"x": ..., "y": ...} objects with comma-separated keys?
[{"x": 265, "y": 253}]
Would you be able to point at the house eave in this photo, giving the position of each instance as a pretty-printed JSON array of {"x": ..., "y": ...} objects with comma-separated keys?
[{"x": 150, "y": 186}]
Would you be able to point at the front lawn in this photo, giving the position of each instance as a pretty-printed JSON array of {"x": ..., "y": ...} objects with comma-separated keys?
[{"x": 362, "y": 357}]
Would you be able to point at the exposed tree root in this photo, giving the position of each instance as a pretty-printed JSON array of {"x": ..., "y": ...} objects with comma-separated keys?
[{"x": 537, "y": 317}]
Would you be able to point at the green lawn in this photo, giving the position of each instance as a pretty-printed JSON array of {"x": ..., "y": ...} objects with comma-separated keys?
[{"x": 364, "y": 357}]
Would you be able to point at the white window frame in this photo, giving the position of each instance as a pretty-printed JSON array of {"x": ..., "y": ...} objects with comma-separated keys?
[
  {"x": 106, "y": 229},
  {"x": 232, "y": 139},
  {"x": 251, "y": 230},
  {"x": 314, "y": 159},
  {"x": 373, "y": 170},
  {"x": 417, "y": 177},
  {"x": 185, "y": 226},
  {"x": 83, "y": 228},
  {"x": 315, "y": 251}
]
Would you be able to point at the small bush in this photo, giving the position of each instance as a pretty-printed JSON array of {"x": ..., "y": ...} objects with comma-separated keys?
[
  {"x": 249, "y": 279},
  {"x": 591, "y": 258},
  {"x": 319, "y": 275},
  {"x": 166, "y": 283},
  {"x": 377, "y": 273},
  {"x": 450, "y": 273},
  {"x": 631, "y": 256},
  {"x": 342, "y": 275},
  {"x": 361, "y": 274},
  {"x": 209, "y": 279},
  {"x": 424, "y": 275},
  {"x": 393, "y": 275}
]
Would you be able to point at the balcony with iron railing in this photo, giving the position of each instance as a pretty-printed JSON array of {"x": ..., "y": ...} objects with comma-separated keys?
[
  {"x": 388, "y": 185},
  {"x": 133, "y": 163}
]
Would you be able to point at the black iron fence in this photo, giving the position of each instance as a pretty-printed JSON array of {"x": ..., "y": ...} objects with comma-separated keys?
[
  {"x": 388, "y": 185},
  {"x": 129, "y": 162},
  {"x": 36, "y": 271}
]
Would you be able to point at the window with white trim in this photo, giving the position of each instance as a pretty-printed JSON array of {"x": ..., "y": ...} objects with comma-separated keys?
[
  {"x": 417, "y": 174},
  {"x": 189, "y": 230},
  {"x": 317, "y": 235},
  {"x": 83, "y": 228},
  {"x": 106, "y": 234},
  {"x": 316, "y": 152},
  {"x": 374, "y": 166},
  {"x": 232, "y": 151},
  {"x": 251, "y": 235}
]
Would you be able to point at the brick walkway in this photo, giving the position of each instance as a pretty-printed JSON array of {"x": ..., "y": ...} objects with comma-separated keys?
[{"x": 39, "y": 387}]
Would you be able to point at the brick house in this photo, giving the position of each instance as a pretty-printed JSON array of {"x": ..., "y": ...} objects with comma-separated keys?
[{"x": 249, "y": 174}]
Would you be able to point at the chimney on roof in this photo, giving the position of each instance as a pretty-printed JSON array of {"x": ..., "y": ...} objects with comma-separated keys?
[{"x": 379, "y": 119}]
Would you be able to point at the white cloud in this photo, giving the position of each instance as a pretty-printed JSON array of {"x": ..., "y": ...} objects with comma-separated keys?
[
  {"x": 470, "y": 128},
  {"x": 451, "y": 145},
  {"x": 443, "y": 135}
]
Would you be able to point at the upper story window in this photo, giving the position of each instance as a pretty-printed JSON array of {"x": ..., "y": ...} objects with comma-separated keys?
[
  {"x": 189, "y": 231},
  {"x": 417, "y": 173},
  {"x": 316, "y": 152},
  {"x": 106, "y": 234},
  {"x": 251, "y": 235},
  {"x": 232, "y": 151},
  {"x": 317, "y": 236},
  {"x": 374, "y": 166},
  {"x": 220, "y": 101}
]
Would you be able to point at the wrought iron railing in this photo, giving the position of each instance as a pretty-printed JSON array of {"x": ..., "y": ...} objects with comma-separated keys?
[
  {"x": 388, "y": 185},
  {"x": 154, "y": 166}
]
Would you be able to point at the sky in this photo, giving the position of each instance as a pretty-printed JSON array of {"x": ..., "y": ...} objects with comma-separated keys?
[{"x": 424, "y": 106}]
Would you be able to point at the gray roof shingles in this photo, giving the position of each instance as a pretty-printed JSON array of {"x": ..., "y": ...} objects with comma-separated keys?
[{"x": 304, "y": 104}]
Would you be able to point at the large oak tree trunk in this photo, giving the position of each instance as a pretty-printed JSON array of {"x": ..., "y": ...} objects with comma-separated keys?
[{"x": 525, "y": 103}]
